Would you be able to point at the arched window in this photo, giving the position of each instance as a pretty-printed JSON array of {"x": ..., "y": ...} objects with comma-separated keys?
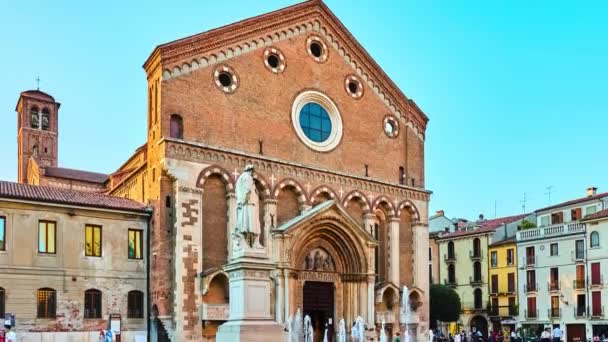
[
  {"x": 92, "y": 303},
  {"x": 477, "y": 298},
  {"x": 44, "y": 120},
  {"x": 595, "y": 239},
  {"x": 135, "y": 304},
  {"x": 451, "y": 250},
  {"x": 34, "y": 118},
  {"x": 477, "y": 271},
  {"x": 47, "y": 302},
  {"x": 451, "y": 274},
  {"x": 2, "y": 296},
  {"x": 177, "y": 127},
  {"x": 476, "y": 248}
]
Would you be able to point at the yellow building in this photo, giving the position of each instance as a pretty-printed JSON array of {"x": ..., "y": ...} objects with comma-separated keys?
[{"x": 502, "y": 271}]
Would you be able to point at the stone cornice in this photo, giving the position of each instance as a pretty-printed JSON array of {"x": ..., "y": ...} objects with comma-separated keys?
[
  {"x": 208, "y": 48},
  {"x": 204, "y": 153}
]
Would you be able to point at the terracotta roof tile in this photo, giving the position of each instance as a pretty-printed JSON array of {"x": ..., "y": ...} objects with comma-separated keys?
[
  {"x": 598, "y": 215},
  {"x": 79, "y": 175},
  {"x": 485, "y": 226},
  {"x": 575, "y": 201},
  {"x": 29, "y": 192}
]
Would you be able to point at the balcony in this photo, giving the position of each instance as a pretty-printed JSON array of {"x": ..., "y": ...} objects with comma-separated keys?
[
  {"x": 476, "y": 281},
  {"x": 476, "y": 255},
  {"x": 450, "y": 282},
  {"x": 528, "y": 288},
  {"x": 550, "y": 231},
  {"x": 553, "y": 286},
  {"x": 554, "y": 313},
  {"x": 502, "y": 311},
  {"x": 529, "y": 261},
  {"x": 449, "y": 257},
  {"x": 533, "y": 314},
  {"x": 578, "y": 256},
  {"x": 580, "y": 312},
  {"x": 578, "y": 284},
  {"x": 597, "y": 313}
]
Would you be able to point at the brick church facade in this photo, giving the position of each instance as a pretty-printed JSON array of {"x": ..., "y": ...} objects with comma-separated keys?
[{"x": 338, "y": 152}]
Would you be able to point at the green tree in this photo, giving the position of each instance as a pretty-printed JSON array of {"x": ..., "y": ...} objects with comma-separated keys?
[
  {"x": 445, "y": 304},
  {"x": 525, "y": 224}
]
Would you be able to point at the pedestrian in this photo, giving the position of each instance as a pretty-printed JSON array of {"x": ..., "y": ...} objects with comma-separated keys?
[
  {"x": 9, "y": 336},
  {"x": 397, "y": 337},
  {"x": 557, "y": 334},
  {"x": 545, "y": 336},
  {"x": 458, "y": 337}
]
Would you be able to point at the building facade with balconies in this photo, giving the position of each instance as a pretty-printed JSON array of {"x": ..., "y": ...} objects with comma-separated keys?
[
  {"x": 597, "y": 265},
  {"x": 503, "y": 284},
  {"x": 464, "y": 266},
  {"x": 553, "y": 269}
]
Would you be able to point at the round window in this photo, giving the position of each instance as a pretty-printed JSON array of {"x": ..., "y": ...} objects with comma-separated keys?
[
  {"x": 317, "y": 49},
  {"x": 225, "y": 78},
  {"x": 353, "y": 86},
  {"x": 391, "y": 126},
  {"x": 274, "y": 60},
  {"x": 317, "y": 121}
]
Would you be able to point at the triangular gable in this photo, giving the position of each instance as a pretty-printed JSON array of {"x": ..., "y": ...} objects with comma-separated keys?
[
  {"x": 320, "y": 210},
  {"x": 182, "y": 56}
]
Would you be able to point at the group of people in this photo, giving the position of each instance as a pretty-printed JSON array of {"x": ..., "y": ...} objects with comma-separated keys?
[{"x": 548, "y": 336}]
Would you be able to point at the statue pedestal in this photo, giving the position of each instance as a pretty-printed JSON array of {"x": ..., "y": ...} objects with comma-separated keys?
[{"x": 250, "y": 318}]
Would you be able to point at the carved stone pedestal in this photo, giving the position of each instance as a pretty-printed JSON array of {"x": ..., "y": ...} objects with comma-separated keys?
[{"x": 250, "y": 318}]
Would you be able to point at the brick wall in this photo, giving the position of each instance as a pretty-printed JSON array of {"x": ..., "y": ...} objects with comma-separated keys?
[
  {"x": 287, "y": 205},
  {"x": 406, "y": 249},
  {"x": 215, "y": 221}
]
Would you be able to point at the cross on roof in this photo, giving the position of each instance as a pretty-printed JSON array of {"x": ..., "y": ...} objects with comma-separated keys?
[{"x": 37, "y": 82}]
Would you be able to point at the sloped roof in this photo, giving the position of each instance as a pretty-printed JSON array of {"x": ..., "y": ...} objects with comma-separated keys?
[
  {"x": 79, "y": 175},
  {"x": 574, "y": 201},
  {"x": 11, "y": 190},
  {"x": 600, "y": 214},
  {"x": 485, "y": 226}
]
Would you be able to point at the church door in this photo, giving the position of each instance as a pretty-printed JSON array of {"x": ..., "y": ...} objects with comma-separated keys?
[{"x": 319, "y": 305}]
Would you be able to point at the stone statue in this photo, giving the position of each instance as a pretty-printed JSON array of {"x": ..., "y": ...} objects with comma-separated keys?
[
  {"x": 248, "y": 206},
  {"x": 317, "y": 262},
  {"x": 308, "y": 262},
  {"x": 327, "y": 264}
]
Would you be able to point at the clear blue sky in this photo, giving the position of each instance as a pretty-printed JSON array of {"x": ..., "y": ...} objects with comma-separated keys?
[{"x": 515, "y": 90}]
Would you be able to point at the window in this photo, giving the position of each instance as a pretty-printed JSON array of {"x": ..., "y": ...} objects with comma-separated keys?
[
  {"x": 135, "y": 304},
  {"x": 317, "y": 49},
  {"x": 554, "y": 306},
  {"x": 512, "y": 307},
  {"x": 596, "y": 278},
  {"x": 590, "y": 210},
  {"x": 47, "y": 303},
  {"x": 596, "y": 303},
  {"x": 581, "y": 305},
  {"x": 595, "y": 239},
  {"x": 92, "y": 304},
  {"x": 2, "y": 296},
  {"x": 401, "y": 175},
  {"x": 557, "y": 218},
  {"x": 575, "y": 214},
  {"x": 477, "y": 271},
  {"x": 92, "y": 244},
  {"x": 494, "y": 258},
  {"x": 226, "y": 79},
  {"x": 35, "y": 120},
  {"x": 544, "y": 220},
  {"x": 510, "y": 256},
  {"x": 430, "y": 254},
  {"x": 531, "y": 313},
  {"x": 494, "y": 287},
  {"x": 274, "y": 60},
  {"x": 451, "y": 274},
  {"x": 530, "y": 256},
  {"x": 531, "y": 281},
  {"x": 135, "y": 244},
  {"x": 430, "y": 274},
  {"x": 511, "y": 282},
  {"x": 476, "y": 247},
  {"x": 2, "y": 234},
  {"x": 353, "y": 86},
  {"x": 315, "y": 122},
  {"x": 553, "y": 251},
  {"x": 494, "y": 307},
  {"x": 44, "y": 122},
  {"x": 451, "y": 250},
  {"x": 46, "y": 237},
  {"x": 477, "y": 299},
  {"x": 579, "y": 282},
  {"x": 579, "y": 249},
  {"x": 176, "y": 127},
  {"x": 554, "y": 279}
]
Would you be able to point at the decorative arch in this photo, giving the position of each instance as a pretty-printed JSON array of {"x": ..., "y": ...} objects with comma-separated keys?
[
  {"x": 411, "y": 208},
  {"x": 209, "y": 278},
  {"x": 215, "y": 170},
  {"x": 362, "y": 198},
  {"x": 291, "y": 182},
  {"x": 384, "y": 200},
  {"x": 323, "y": 189},
  {"x": 261, "y": 180}
]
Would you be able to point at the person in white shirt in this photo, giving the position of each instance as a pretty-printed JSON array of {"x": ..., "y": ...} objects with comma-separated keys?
[
  {"x": 9, "y": 336},
  {"x": 457, "y": 338},
  {"x": 545, "y": 336},
  {"x": 557, "y": 334}
]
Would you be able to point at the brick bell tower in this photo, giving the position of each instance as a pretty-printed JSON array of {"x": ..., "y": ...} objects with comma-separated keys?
[{"x": 37, "y": 126}]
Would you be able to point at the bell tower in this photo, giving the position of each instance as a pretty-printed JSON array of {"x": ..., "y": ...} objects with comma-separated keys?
[{"x": 37, "y": 127}]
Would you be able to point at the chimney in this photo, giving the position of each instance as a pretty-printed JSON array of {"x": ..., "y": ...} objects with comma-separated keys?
[
  {"x": 440, "y": 213},
  {"x": 481, "y": 217},
  {"x": 591, "y": 191}
]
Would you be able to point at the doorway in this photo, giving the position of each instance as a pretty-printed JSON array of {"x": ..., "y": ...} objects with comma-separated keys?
[{"x": 319, "y": 305}]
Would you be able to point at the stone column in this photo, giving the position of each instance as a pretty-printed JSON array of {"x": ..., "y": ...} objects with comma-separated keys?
[
  {"x": 270, "y": 223},
  {"x": 393, "y": 228},
  {"x": 421, "y": 278},
  {"x": 370, "y": 299},
  {"x": 279, "y": 297},
  {"x": 231, "y": 212}
]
